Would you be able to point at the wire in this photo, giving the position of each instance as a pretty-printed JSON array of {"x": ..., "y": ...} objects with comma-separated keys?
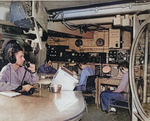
[
  {"x": 82, "y": 27},
  {"x": 69, "y": 25},
  {"x": 59, "y": 40}
]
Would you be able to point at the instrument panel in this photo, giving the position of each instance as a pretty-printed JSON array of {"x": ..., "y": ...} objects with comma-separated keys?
[{"x": 118, "y": 56}]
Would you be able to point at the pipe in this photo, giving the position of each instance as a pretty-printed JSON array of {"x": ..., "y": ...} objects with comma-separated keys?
[{"x": 101, "y": 11}]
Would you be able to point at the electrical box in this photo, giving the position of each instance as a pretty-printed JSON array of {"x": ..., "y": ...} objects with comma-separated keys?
[
  {"x": 126, "y": 40},
  {"x": 114, "y": 38}
]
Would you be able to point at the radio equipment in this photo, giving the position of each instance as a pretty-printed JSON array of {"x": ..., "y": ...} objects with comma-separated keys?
[
  {"x": 118, "y": 56},
  {"x": 112, "y": 56},
  {"x": 56, "y": 52},
  {"x": 97, "y": 58}
]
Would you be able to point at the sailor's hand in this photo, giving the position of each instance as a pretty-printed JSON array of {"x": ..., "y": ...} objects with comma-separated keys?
[
  {"x": 32, "y": 67},
  {"x": 75, "y": 74},
  {"x": 26, "y": 87}
]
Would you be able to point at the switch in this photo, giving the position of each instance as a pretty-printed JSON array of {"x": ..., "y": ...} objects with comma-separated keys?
[{"x": 116, "y": 44}]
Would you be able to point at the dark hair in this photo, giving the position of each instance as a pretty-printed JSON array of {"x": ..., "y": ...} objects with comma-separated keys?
[
  {"x": 82, "y": 61},
  {"x": 15, "y": 48},
  {"x": 46, "y": 60},
  {"x": 124, "y": 64}
]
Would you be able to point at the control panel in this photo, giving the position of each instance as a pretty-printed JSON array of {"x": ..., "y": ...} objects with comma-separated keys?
[{"x": 118, "y": 56}]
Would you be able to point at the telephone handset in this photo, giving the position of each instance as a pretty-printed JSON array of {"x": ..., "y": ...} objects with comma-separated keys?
[{"x": 31, "y": 91}]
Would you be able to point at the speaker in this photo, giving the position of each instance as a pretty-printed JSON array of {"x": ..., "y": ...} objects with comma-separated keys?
[
  {"x": 78, "y": 42},
  {"x": 100, "y": 42}
]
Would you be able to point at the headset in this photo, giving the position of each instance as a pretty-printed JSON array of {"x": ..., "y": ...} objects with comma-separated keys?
[
  {"x": 11, "y": 52},
  {"x": 11, "y": 56},
  {"x": 4, "y": 50}
]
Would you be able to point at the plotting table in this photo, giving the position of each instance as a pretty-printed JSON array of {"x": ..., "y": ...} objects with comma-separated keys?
[{"x": 43, "y": 106}]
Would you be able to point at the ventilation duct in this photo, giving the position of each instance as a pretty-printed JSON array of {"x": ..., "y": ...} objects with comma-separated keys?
[{"x": 21, "y": 16}]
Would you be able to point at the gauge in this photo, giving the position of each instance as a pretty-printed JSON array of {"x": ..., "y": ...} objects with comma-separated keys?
[
  {"x": 78, "y": 42},
  {"x": 100, "y": 42}
]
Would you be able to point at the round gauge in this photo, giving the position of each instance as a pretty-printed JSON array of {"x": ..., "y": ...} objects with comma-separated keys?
[
  {"x": 78, "y": 42},
  {"x": 100, "y": 42}
]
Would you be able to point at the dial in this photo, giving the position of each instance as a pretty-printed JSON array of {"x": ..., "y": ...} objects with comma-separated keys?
[{"x": 100, "y": 42}]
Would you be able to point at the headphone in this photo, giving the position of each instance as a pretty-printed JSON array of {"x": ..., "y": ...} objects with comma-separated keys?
[
  {"x": 7, "y": 44},
  {"x": 11, "y": 56}
]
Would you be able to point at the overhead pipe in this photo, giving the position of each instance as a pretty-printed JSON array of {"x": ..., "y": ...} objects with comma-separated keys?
[{"x": 74, "y": 14}]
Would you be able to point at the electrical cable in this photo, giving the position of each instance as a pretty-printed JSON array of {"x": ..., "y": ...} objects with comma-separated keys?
[
  {"x": 83, "y": 27},
  {"x": 22, "y": 82},
  {"x": 59, "y": 40},
  {"x": 69, "y": 26}
]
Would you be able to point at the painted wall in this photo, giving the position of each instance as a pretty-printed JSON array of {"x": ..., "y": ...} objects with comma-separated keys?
[{"x": 4, "y": 13}]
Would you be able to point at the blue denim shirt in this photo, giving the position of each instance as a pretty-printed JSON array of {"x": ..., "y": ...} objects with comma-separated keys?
[
  {"x": 87, "y": 71},
  {"x": 47, "y": 70}
]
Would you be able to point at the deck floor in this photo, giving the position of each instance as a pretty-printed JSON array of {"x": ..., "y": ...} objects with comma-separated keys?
[{"x": 95, "y": 114}]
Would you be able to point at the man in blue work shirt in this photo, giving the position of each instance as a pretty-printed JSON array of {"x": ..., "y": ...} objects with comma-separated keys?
[
  {"x": 86, "y": 71},
  {"x": 47, "y": 68}
]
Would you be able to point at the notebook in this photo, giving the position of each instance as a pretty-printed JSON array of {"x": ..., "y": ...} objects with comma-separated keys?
[
  {"x": 65, "y": 78},
  {"x": 10, "y": 93}
]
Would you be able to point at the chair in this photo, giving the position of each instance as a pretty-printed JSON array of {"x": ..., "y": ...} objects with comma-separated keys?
[
  {"x": 89, "y": 90},
  {"x": 90, "y": 86},
  {"x": 122, "y": 103}
]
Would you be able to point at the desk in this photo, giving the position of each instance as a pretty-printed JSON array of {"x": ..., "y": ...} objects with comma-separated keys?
[
  {"x": 106, "y": 81},
  {"x": 41, "y": 106},
  {"x": 44, "y": 82},
  {"x": 47, "y": 80},
  {"x": 46, "y": 75}
]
